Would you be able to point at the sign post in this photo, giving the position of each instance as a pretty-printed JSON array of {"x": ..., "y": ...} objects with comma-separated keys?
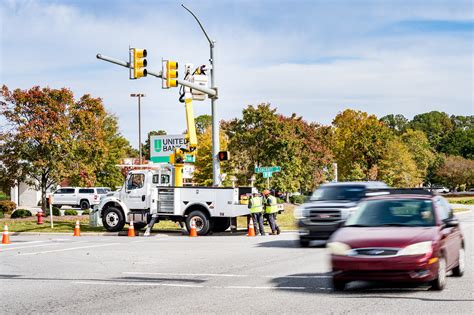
[{"x": 50, "y": 199}]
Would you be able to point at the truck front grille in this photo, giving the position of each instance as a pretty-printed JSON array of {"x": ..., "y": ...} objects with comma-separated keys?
[{"x": 318, "y": 215}]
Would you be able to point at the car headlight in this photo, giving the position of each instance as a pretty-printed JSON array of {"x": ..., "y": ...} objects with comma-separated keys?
[
  {"x": 416, "y": 249},
  {"x": 338, "y": 248},
  {"x": 298, "y": 213}
]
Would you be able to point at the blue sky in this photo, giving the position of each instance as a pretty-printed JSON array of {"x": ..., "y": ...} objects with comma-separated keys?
[{"x": 315, "y": 58}]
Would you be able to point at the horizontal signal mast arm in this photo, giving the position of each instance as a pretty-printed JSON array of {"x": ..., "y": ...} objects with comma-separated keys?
[{"x": 210, "y": 92}]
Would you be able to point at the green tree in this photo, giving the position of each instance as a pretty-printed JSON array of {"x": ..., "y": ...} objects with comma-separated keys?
[
  {"x": 202, "y": 123},
  {"x": 146, "y": 146},
  {"x": 419, "y": 147},
  {"x": 436, "y": 125},
  {"x": 359, "y": 143},
  {"x": 397, "y": 123},
  {"x": 460, "y": 141},
  {"x": 397, "y": 168}
]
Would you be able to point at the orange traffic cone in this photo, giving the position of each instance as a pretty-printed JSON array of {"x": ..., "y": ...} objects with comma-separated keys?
[
  {"x": 193, "y": 232},
  {"x": 251, "y": 228},
  {"x": 6, "y": 237},
  {"x": 131, "y": 230},
  {"x": 77, "y": 229}
]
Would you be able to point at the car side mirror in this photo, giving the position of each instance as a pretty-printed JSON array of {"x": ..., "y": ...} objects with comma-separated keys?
[{"x": 449, "y": 223}]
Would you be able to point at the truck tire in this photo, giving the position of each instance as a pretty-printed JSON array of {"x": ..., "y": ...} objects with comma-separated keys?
[
  {"x": 84, "y": 205},
  {"x": 113, "y": 219},
  {"x": 203, "y": 224},
  {"x": 220, "y": 224}
]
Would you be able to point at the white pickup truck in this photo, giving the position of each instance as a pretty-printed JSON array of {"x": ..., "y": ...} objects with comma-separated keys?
[
  {"x": 146, "y": 197},
  {"x": 78, "y": 196}
]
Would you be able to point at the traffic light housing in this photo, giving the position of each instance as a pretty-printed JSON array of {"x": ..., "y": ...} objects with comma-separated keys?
[
  {"x": 223, "y": 155},
  {"x": 138, "y": 62},
  {"x": 169, "y": 74}
]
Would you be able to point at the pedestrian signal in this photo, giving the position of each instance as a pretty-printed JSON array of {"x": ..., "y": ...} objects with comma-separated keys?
[{"x": 224, "y": 155}]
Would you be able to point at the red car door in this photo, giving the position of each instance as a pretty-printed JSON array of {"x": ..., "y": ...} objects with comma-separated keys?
[{"x": 451, "y": 236}]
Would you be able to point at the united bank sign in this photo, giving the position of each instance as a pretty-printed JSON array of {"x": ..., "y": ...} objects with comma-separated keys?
[{"x": 161, "y": 147}]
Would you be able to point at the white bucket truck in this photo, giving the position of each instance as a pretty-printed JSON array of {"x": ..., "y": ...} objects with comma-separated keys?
[{"x": 147, "y": 197}]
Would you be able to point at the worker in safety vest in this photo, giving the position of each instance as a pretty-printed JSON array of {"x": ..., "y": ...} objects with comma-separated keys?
[
  {"x": 271, "y": 209},
  {"x": 256, "y": 212}
]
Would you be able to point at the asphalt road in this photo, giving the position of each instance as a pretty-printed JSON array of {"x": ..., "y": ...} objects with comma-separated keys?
[{"x": 214, "y": 274}]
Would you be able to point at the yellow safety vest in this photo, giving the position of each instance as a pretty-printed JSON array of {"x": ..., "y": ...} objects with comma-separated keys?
[
  {"x": 271, "y": 205},
  {"x": 257, "y": 205}
]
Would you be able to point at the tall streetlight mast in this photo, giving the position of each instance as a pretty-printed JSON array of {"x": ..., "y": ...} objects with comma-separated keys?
[{"x": 139, "y": 95}]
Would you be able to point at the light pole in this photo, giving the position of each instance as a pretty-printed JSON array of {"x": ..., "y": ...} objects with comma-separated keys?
[
  {"x": 139, "y": 95},
  {"x": 216, "y": 168}
]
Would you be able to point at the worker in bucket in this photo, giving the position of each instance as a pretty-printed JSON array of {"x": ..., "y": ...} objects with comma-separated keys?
[
  {"x": 256, "y": 213},
  {"x": 271, "y": 209}
]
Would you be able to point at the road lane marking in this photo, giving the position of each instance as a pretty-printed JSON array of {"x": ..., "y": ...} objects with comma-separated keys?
[
  {"x": 184, "y": 274},
  {"x": 220, "y": 275},
  {"x": 21, "y": 243},
  {"x": 34, "y": 246},
  {"x": 68, "y": 249},
  {"x": 136, "y": 283}
]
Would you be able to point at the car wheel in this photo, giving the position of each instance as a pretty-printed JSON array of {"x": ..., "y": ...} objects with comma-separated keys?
[
  {"x": 458, "y": 271},
  {"x": 439, "y": 283},
  {"x": 338, "y": 285},
  {"x": 113, "y": 219},
  {"x": 304, "y": 243},
  {"x": 84, "y": 204},
  {"x": 203, "y": 224}
]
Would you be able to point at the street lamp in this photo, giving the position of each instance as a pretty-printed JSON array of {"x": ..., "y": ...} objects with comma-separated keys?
[{"x": 139, "y": 95}]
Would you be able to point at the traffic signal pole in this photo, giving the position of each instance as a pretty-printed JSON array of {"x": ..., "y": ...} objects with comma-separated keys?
[{"x": 216, "y": 167}]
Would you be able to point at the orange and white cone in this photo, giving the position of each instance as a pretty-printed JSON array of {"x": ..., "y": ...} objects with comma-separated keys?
[
  {"x": 251, "y": 231},
  {"x": 131, "y": 230},
  {"x": 193, "y": 232},
  {"x": 77, "y": 229},
  {"x": 6, "y": 236}
]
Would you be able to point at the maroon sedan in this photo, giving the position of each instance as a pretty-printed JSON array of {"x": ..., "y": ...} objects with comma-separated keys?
[{"x": 398, "y": 237}]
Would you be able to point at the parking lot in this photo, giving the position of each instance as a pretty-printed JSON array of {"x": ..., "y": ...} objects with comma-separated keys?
[{"x": 171, "y": 273}]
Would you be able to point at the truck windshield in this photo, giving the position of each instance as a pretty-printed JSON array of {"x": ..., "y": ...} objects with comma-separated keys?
[
  {"x": 349, "y": 193},
  {"x": 394, "y": 212}
]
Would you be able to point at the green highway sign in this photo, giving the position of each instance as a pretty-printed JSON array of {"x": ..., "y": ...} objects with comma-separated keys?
[
  {"x": 189, "y": 158},
  {"x": 267, "y": 174},
  {"x": 267, "y": 169}
]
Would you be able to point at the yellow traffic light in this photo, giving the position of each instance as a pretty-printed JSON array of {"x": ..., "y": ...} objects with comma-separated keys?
[
  {"x": 170, "y": 73},
  {"x": 139, "y": 63}
]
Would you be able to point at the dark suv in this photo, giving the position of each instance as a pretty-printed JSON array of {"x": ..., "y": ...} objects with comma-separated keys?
[{"x": 328, "y": 208}]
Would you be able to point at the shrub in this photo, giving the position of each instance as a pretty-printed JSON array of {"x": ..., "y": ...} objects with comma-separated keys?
[
  {"x": 86, "y": 212},
  {"x": 21, "y": 213},
  {"x": 298, "y": 199},
  {"x": 7, "y": 206},
  {"x": 69, "y": 212},
  {"x": 56, "y": 212},
  {"x": 1, "y": 215},
  {"x": 280, "y": 200}
]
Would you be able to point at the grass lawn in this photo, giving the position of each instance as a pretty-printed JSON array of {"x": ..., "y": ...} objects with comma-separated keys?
[
  {"x": 285, "y": 220},
  {"x": 461, "y": 200},
  {"x": 3, "y": 196}
]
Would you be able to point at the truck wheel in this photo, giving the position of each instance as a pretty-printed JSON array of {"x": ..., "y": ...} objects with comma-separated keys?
[
  {"x": 113, "y": 219},
  {"x": 203, "y": 223},
  {"x": 220, "y": 224},
  {"x": 84, "y": 204}
]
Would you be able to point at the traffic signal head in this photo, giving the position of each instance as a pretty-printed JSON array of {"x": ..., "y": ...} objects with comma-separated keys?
[
  {"x": 139, "y": 63},
  {"x": 169, "y": 73},
  {"x": 224, "y": 155}
]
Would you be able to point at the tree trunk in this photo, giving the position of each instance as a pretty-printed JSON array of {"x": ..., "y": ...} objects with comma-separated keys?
[{"x": 43, "y": 193}]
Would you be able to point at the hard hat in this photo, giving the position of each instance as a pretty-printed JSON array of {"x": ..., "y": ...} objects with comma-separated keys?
[{"x": 266, "y": 192}]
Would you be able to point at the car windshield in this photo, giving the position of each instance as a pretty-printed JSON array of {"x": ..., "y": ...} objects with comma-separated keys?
[
  {"x": 393, "y": 212},
  {"x": 346, "y": 192}
]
